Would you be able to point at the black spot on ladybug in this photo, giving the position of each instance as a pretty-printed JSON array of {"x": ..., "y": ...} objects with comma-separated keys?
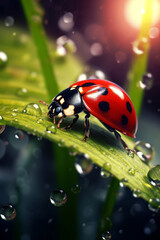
[
  {"x": 124, "y": 120},
  {"x": 65, "y": 105},
  {"x": 129, "y": 107},
  {"x": 103, "y": 106},
  {"x": 88, "y": 84},
  {"x": 103, "y": 90}
]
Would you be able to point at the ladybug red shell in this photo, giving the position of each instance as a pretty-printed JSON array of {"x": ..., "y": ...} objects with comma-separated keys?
[{"x": 103, "y": 99}]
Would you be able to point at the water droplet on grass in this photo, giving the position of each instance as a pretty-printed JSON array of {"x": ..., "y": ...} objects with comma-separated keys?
[
  {"x": 130, "y": 153},
  {"x": 122, "y": 181},
  {"x": 18, "y": 139},
  {"x": 58, "y": 197},
  {"x": 66, "y": 22},
  {"x": 22, "y": 92},
  {"x": 106, "y": 236},
  {"x": 146, "y": 82},
  {"x": 137, "y": 193},
  {"x": 8, "y": 212},
  {"x": 66, "y": 44},
  {"x": 154, "y": 204},
  {"x": 144, "y": 151},
  {"x": 140, "y": 46},
  {"x": 3, "y": 59},
  {"x": 83, "y": 164},
  {"x": 33, "y": 109},
  {"x": 9, "y": 21},
  {"x": 51, "y": 129},
  {"x": 91, "y": 74},
  {"x": 96, "y": 49},
  {"x": 2, "y": 128},
  {"x": 131, "y": 171},
  {"x": 154, "y": 176},
  {"x": 76, "y": 188},
  {"x": 105, "y": 170},
  {"x": 19, "y": 135}
]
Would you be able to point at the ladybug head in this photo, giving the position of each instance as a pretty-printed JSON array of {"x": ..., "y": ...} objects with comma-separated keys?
[{"x": 55, "y": 109}]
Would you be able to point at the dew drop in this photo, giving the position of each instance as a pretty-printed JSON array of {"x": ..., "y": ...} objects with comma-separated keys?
[
  {"x": 131, "y": 171},
  {"x": 37, "y": 19},
  {"x": 83, "y": 164},
  {"x": 105, "y": 170},
  {"x": 22, "y": 92},
  {"x": 154, "y": 176},
  {"x": 8, "y": 212},
  {"x": 91, "y": 74},
  {"x": 76, "y": 188},
  {"x": 19, "y": 135},
  {"x": 2, "y": 128},
  {"x": 154, "y": 204},
  {"x": 66, "y": 43},
  {"x": 40, "y": 120},
  {"x": 139, "y": 46},
  {"x": 106, "y": 235},
  {"x": 9, "y": 21},
  {"x": 3, "y": 59},
  {"x": 61, "y": 51},
  {"x": 33, "y": 109},
  {"x": 122, "y": 181},
  {"x": 18, "y": 139},
  {"x": 58, "y": 197},
  {"x": 130, "y": 153},
  {"x": 154, "y": 32},
  {"x": 96, "y": 49},
  {"x": 66, "y": 22},
  {"x": 136, "y": 193},
  {"x": 146, "y": 82},
  {"x": 51, "y": 129},
  {"x": 144, "y": 151}
]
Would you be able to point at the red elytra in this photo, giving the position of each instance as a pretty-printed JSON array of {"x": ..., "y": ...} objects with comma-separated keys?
[{"x": 109, "y": 103}]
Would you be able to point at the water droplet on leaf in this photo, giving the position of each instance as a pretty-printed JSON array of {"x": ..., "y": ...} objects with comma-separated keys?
[
  {"x": 91, "y": 74},
  {"x": 3, "y": 59},
  {"x": 9, "y": 21},
  {"x": 130, "y": 153},
  {"x": 146, "y": 82},
  {"x": 76, "y": 188},
  {"x": 137, "y": 193},
  {"x": 19, "y": 134},
  {"x": 8, "y": 212},
  {"x": 33, "y": 109},
  {"x": 144, "y": 151},
  {"x": 106, "y": 235},
  {"x": 66, "y": 22},
  {"x": 51, "y": 129},
  {"x": 154, "y": 176},
  {"x": 154, "y": 204},
  {"x": 83, "y": 164},
  {"x": 105, "y": 170},
  {"x": 131, "y": 171},
  {"x": 58, "y": 197},
  {"x": 140, "y": 46}
]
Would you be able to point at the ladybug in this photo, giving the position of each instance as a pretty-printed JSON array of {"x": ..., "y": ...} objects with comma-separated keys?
[{"x": 103, "y": 99}]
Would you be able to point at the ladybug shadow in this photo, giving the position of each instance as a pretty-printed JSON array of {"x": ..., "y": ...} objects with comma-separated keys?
[{"x": 98, "y": 134}]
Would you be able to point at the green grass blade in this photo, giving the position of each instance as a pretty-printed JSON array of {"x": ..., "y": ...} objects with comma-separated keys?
[{"x": 33, "y": 15}]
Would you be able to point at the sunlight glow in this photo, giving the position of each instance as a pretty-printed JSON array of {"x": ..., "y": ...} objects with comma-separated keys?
[{"x": 135, "y": 9}]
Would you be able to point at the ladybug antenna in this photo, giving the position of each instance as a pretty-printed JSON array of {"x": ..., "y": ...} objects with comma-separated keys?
[{"x": 43, "y": 103}]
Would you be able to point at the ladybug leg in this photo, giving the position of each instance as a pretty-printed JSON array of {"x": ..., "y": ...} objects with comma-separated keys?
[
  {"x": 125, "y": 146},
  {"x": 60, "y": 121},
  {"x": 73, "y": 122},
  {"x": 87, "y": 126}
]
